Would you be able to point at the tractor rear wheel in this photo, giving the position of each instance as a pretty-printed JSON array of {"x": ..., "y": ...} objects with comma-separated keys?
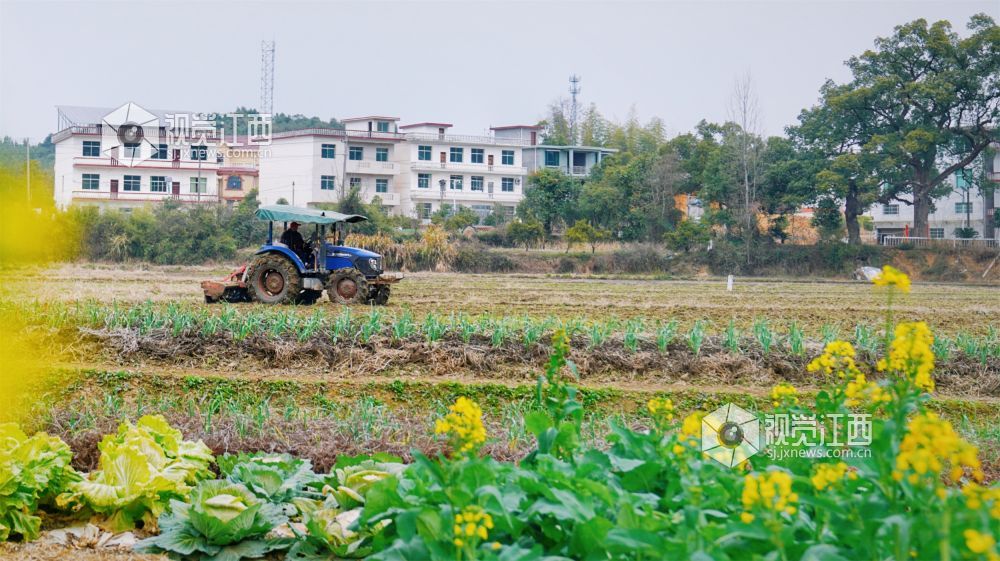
[
  {"x": 347, "y": 286},
  {"x": 273, "y": 279}
]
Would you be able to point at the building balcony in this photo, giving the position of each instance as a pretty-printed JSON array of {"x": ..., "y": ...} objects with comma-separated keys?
[
  {"x": 108, "y": 162},
  {"x": 466, "y": 167},
  {"x": 372, "y": 167},
  {"x": 465, "y": 195},
  {"x": 466, "y": 139},
  {"x": 388, "y": 199},
  {"x": 352, "y": 135},
  {"x": 142, "y": 196}
]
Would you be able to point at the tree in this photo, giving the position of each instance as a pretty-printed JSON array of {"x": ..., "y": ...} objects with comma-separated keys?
[
  {"x": 926, "y": 103},
  {"x": 583, "y": 232},
  {"x": 497, "y": 216},
  {"x": 555, "y": 127},
  {"x": 550, "y": 198},
  {"x": 687, "y": 234},
  {"x": 528, "y": 232},
  {"x": 455, "y": 220},
  {"x": 744, "y": 111},
  {"x": 827, "y": 219}
]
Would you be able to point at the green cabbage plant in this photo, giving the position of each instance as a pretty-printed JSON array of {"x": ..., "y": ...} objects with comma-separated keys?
[
  {"x": 33, "y": 470},
  {"x": 141, "y": 469},
  {"x": 277, "y": 478},
  {"x": 223, "y": 521},
  {"x": 332, "y": 534}
]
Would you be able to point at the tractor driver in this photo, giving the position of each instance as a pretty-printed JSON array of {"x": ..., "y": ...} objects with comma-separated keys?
[{"x": 293, "y": 239}]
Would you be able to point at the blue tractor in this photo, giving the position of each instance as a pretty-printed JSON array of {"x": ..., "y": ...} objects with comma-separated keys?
[{"x": 279, "y": 275}]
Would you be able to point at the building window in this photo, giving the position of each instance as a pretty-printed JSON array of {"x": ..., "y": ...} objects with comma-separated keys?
[
  {"x": 383, "y": 126},
  {"x": 937, "y": 233},
  {"x": 381, "y": 185},
  {"x": 131, "y": 182},
  {"x": 456, "y": 182},
  {"x": 92, "y": 148},
  {"x": 199, "y": 153},
  {"x": 456, "y": 155},
  {"x": 963, "y": 207},
  {"x": 158, "y": 184},
  {"x": 326, "y": 182},
  {"x": 477, "y": 155},
  {"x": 507, "y": 184},
  {"x": 91, "y": 181},
  {"x": 328, "y": 151},
  {"x": 199, "y": 185},
  {"x": 424, "y": 211},
  {"x": 355, "y": 183},
  {"x": 159, "y": 152},
  {"x": 890, "y": 209},
  {"x": 552, "y": 158},
  {"x": 381, "y": 154},
  {"x": 234, "y": 183},
  {"x": 424, "y": 153},
  {"x": 507, "y": 157},
  {"x": 476, "y": 183},
  {"x": 357, "y": 153},
  {"x": 423, "y": 180},
  {"x": 131, "y": 150}
]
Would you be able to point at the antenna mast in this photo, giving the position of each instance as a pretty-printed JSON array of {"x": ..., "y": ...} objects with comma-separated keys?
[
  {"x": 574, "y": 89},
  {"x": 266, "y": 78}
]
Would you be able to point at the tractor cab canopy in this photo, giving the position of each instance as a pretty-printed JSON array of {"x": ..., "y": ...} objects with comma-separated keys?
[{"x": 289, "y": 213}]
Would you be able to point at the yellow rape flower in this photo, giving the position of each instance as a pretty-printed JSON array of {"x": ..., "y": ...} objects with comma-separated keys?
[
  {"x": 931, "y": 443},
  {"x": 860, "y": 391},
  {"x": 463, "y": 425},
  {"x": 981, "y": 543},
  {"x": 661, "y": 408},
  {"x": 977, "y": 496},
  {"x": 828, "y": 475},
  {"x": 837, "y": 358},
  {"x": 770, "y": 491},
  {"x": 910, "y": 354},
  {"x": 784, "y": 394},
  {"x": 892, "y": 278},
  {"x": 472, "y": 525}
]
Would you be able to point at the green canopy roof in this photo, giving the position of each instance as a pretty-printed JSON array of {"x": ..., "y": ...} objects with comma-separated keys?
[{"x": 289, "y": 213}]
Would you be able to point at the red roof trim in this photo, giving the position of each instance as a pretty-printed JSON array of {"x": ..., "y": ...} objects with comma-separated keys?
[
  {"x": 425, "y": 125},
  {"x": 370, "y": 117},
  {"x": 507, "y": 127}
]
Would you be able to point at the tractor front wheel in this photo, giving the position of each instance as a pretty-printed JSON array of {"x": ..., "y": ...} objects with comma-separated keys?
[
  {"x": 380, "y": 295},
  {"x": 273, "y": 279},
  {"x": 347, "y": 286}
]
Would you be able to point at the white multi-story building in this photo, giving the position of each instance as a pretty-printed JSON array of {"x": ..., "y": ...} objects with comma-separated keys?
[
  {"x": 94, "y": 167},
  {"x": 961, "y": 207},
  {"x": 479, "y": 172},
  {"x": 313, "y": 166},
  {"x": 413, "y": 169}
]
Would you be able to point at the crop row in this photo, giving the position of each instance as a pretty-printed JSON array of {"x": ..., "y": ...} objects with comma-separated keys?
[
  {"x": 912, "y": 488},
  {"x": 351, "y": 325}
]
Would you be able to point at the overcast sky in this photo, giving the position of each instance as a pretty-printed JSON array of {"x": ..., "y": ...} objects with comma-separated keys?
[{"x": 474, "y": 64}]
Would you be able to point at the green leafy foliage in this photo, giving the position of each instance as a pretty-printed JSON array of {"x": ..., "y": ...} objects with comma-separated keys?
[{"x": 33, "y": 470}]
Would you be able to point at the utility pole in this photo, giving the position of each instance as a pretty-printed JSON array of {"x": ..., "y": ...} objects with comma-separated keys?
[
  {"x": 574, "y": 90},
  {"x": 27, "y": 165}
]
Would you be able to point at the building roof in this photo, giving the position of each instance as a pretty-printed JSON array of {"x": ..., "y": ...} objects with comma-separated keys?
[
  {"x": 376, "y": 117},
  {"x": 426, "y": 124},
  {"x": 82, "y": 116},
  {"x": 558, "y": 147},
  {"x": 509, "y": 127}
]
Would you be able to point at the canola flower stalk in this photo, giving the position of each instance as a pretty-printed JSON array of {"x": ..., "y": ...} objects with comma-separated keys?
[{"x": 463, "y": 426}]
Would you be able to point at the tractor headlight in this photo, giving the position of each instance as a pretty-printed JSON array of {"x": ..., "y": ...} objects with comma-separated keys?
[{"x": 374, "y": 264}]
